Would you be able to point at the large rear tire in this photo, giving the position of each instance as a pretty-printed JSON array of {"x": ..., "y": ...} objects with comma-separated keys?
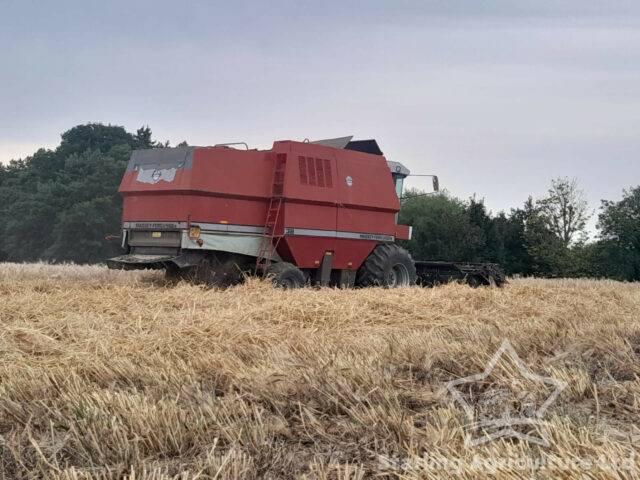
[
  {"x": 388, "y": 266},
  {"x": 286, "y": 275}
]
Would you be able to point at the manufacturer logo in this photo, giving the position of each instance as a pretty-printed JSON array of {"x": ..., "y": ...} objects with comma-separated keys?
[
  {"x": 156, "y": 175},
  {"x": 504, "y": 401},
  {"x": 349, "y": 180}
]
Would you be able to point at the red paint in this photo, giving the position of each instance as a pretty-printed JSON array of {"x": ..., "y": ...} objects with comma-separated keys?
[{"x": 234, "y": 187}]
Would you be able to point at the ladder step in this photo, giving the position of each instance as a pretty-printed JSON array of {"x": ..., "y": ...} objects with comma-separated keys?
[{"x": 267, "y": 245}]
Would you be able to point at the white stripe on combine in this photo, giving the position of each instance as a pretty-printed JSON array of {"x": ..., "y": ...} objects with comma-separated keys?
[
  {"x": 155, "y": 225},
  {"x": 224, "y": 227},
  {"x": 251, "y": 229},
  {"x": 311, "y": 232}
]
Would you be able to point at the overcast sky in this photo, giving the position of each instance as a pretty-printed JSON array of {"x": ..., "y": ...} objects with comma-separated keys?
[{"x": 496, "y": 97}]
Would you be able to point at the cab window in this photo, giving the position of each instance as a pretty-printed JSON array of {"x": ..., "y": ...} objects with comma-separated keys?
[{"x": 398, "y": 180}]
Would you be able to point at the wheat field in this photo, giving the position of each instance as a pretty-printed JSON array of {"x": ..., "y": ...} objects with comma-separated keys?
[{"x": 115, "y": 375}]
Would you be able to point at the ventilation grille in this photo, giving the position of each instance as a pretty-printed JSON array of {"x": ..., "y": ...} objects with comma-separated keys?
[
  {"x": 302, "y": 163},
  {"x": 315, "y": 172},
  {"x": 328, "y": 182}
]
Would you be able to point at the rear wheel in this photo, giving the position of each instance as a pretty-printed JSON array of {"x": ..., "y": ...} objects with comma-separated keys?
[
  {"x": 389, "y": 266},
  {"x": 286, "y": 275}
]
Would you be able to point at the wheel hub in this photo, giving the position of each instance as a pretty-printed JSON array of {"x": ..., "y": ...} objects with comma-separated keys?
[{"x": 398, "y": 276}]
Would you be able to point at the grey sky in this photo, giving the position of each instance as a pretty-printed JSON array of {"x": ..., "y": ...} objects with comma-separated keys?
[{"x": 496, "y": 97}]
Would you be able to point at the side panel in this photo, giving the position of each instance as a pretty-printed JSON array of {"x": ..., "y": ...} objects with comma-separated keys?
[
  {"x": 366, "y": 221},
  {"x": 177, "y": 206},
  {"x": 227, "y": 242},
  {"x": 368, "y": 202},
  {"x": 310, "y": 188},
  {"x": 213, "y": 169},
  {"x": 301, "y": 215},
  {"x": 350, "y": 254},
  {"x": 219, "y": 185},
  {"x": 341, "y": 198},
  {"x": 307, "y": 252},
  {"x": 310, "y": 193}
]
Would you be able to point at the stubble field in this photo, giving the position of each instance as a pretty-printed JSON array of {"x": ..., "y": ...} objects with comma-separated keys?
[{"x": 110, "y": 375}]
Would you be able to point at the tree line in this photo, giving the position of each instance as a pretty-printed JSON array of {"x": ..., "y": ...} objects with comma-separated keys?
[
  {"x": 58, "y": 206},
  {"x": 545, "y": 237}
]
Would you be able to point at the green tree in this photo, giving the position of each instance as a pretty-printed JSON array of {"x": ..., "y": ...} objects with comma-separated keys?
[
  {"x": 550, "y": 257},
  {"x": 480, "y": 226},
  {"x": 566, "y": 210},
  {"x": 440, "y": 226},
  {"x": 95, "y": 136},
  {"x": 506, "y": 242},
  {"x": 59, "y": 205},
  {"x": 79, "y": 232},
  {"x": 554, "y": 231},
  {"x": 88, "y": 180},
  {"x": 619, "y": 223}
]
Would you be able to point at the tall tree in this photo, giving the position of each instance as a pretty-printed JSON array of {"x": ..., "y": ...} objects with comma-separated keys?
[
  {"x": 549, "y": 254},
  {"x": 566, "y": 210},
  {"x": 480, "y": 222},
  {"x": 94, "y": 136}
]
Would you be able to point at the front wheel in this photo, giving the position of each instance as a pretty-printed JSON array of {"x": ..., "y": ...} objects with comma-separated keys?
[{"x": 388, "y": 266}]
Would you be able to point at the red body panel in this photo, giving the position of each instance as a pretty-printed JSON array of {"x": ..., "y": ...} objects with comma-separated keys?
[{"x": 331, "y": 197}]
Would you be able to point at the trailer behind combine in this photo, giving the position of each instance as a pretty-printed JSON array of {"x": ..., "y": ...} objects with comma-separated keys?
[{"x": 322, "y": 213}]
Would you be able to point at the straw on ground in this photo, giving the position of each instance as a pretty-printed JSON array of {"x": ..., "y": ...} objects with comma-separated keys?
[{"x": 108, "y": 375}]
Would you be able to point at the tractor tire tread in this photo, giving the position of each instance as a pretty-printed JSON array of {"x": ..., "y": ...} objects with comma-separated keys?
[{"x": 372, "y": 271}]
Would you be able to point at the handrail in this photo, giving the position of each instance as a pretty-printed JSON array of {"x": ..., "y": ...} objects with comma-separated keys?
[{"x": 232, "y": 143}]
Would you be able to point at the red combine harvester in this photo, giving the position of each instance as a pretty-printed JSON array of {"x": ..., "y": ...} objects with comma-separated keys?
[{"x": 303, "y": 212}]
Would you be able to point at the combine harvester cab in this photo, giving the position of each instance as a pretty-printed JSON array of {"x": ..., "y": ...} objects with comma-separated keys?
[{"x": 322, "y": 212}]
